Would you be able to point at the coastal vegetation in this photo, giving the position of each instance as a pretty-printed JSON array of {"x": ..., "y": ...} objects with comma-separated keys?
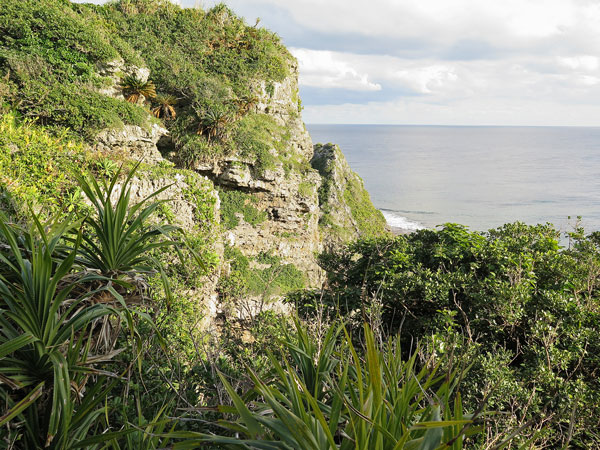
[
  {"x": 131, "y": 317},
  {"x": 519, "y": 309}
]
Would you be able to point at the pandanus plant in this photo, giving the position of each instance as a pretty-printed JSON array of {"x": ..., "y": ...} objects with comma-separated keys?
[
  {"x": 164, "y": 108},
  {"x": 51, "y": 386},
  {"x": 328, "y": 397},
  {"x": 214, "y": 123},
  {"x": 120, "y": 234},
  {"x": 60, "y": 287}
]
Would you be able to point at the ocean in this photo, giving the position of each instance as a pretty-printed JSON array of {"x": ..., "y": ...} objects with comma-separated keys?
[{"x": 482, "y": 177}]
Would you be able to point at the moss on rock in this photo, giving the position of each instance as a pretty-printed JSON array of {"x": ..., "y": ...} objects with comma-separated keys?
[{"x": 347, "y": 212}]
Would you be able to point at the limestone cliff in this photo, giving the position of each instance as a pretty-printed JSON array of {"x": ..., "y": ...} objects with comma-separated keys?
[
  {"x": 277, "y": 217},
  {"x": 287, "y": 192},
  {"x": 257, "y": 201},
  {"x": 346, "y": 211}
]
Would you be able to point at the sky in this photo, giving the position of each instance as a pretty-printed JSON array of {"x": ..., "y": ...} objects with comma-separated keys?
[{"x": 440, "y": 62}]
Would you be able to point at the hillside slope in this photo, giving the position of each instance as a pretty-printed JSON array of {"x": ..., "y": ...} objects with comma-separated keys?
[{"x": 203, "y": 99}]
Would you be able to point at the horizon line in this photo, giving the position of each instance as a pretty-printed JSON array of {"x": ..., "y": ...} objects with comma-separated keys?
[{"x": 449, "y": 126}]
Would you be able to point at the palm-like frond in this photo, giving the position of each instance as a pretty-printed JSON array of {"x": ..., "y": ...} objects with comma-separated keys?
[
  {"x": 214, "y": 124},
  {"x": 134, "y": 88},
  {"x": 121, "y": 237},
  {"x": 165, "y": 107},
  {"x": 45, "y": 335},
  {"x": 330, "y": 398}
]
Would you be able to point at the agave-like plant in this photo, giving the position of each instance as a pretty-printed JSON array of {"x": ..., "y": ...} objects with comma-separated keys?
[
  {"x": 135, "y": 89},
  {"x": 164, "y": 108},
  {"x": 214, "y": 124},
  {"x": 51, "y": 388},
  {"x": 331, "y": 398},
  {"x": 245, "y": 104},
  {"x": 121, "y": 236}
]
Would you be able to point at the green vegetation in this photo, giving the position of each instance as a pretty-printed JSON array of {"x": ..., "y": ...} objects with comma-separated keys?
[
  {"x": 48, "y": 62},
  {"x": 209, "y": 62},
  {"x": 165, "y": 107},
  {"x": 61, "y": 323},
  {"x": 327, "y": 397},
  {"x": 37, "y": 167},
  {"x": 369, "y": 220},
  {"x": 204, "y": 65},
  {"x": 238, "y": 202},
  {"x": 265, "y": 276},
  {"x": 259, "y": 138},
  {"x": 306, "y": 189},
  {"x": 343, "y": 189},
  {"x": 78, "y": 342},
  {"x": 102, "y": 339},
  {"x": 136, "y": 90},
  {"x": 511, "y": 302},
  {"x": 121, "y": 239}
]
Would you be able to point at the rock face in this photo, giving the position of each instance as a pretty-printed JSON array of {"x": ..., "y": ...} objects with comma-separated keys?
[
  {"x": 279, "y": 216},
  {"x": 131, "y": 140},
  {"x": 289, "y": 197},
  {"x": 346, "y": 211},
  {"x": 193, "y": 205},
  {"x": 281, "y": 101},
  {"x": 113, "y": 71}
]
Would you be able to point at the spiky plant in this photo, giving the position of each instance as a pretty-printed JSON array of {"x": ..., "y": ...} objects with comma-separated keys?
[
  {"x": 122, "y": 236},
  {"x": 51, "y": 389},
  {"x": 134, "y": 88},
  {"x": 330, "y": 398},
  {"x": 164, "y": 108},
  {"x": 244, "y": 105},
  {"x": 214, "y": 124}
]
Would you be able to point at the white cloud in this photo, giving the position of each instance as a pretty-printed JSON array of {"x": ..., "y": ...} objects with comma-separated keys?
[
  {"x": 510, "y": 22},
  {"x": 326, "y": 69},
  {"x": 428, "y": 79},
  {"x": 586, "y": 63},
  {"x": 444, "y": 61}
]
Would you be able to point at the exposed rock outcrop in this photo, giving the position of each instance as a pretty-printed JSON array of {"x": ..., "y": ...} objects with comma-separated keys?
[
  {"x": 133, "y": 141},
  {"x": 346, "y": 211},
  {"x": 314, "y": 203},
  {"x": 287, "y": 195},
  {"x": 113, "y": 71},
  {"x": 281, "y": 101},
  {"x": 193, "y": 205}
]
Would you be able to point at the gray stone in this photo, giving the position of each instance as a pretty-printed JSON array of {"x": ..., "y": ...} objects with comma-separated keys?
[
  {"x": 113, "y": 71},
  {"x": 132, "y": 141},
  {"x": 338, "y": 180}
]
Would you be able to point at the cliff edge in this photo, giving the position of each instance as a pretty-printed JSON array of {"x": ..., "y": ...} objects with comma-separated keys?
[{"x": 210, "y": 106}]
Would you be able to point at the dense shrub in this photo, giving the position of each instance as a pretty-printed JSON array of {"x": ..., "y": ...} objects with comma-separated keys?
[
  {"x": 522, "y": 309},
  {"x": 208, "y": 62},
  {"x": 49, "y": 52}
]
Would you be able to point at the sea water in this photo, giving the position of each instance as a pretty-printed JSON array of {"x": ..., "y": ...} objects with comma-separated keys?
[{"x": 482, "y": 177}]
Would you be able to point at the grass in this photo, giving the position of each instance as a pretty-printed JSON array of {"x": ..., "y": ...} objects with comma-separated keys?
[
  {"x": 238, "y": 202},
  {"x": 274, "y": 277}
]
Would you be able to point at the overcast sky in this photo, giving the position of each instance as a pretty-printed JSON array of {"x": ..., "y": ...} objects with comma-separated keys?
[{"x": 471, "y": 62}]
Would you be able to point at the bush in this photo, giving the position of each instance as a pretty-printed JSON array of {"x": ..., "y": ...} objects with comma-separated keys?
[
  {"x": 327, "y": 397},
  {"x": 238, "y": 202},
  {"x": 49, "y": 52},
  {"x": 36, "y": 168},
  {"x": 527, "y": 309}
]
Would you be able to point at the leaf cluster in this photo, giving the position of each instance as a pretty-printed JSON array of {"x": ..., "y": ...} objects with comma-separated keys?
[
  {"x": 527, "y": 311},
  {"x": 65, "y": 294},
  {"x": 326, "y": 396}
]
